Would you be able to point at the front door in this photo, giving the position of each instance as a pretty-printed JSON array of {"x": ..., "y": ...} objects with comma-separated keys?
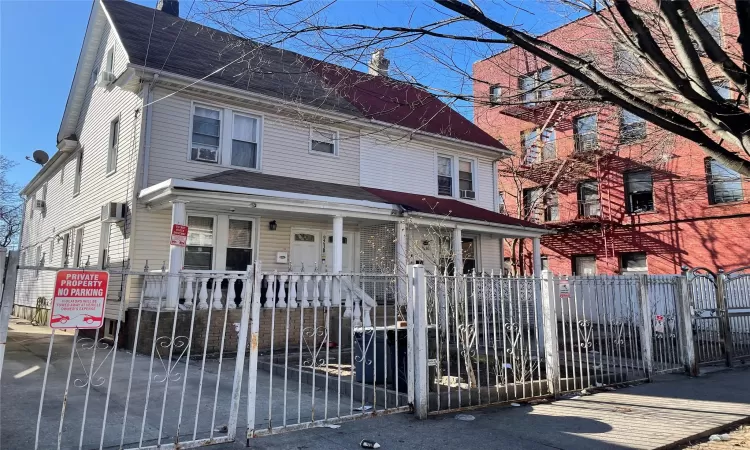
[
  {"x": 347, "y": 252},
  {"x": 305, "y": 250}
]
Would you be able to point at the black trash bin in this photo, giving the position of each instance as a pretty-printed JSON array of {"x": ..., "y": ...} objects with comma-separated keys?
[
  {"x": 369, "y": 360},
  {"x": 398, "y": 374}
]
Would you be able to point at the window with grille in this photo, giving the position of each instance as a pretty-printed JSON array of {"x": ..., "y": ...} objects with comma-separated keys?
[
  {"x": 535, "y": 86},
  {"x": 199, "y": 251},
  {"x": 445, "y": 175},
  {"x": 639, "y": 192},
  {"x": 588, "y": 199},
  {"x": 724, "y": 184},
  {"x": 585, "y": 133},
  {"x": 632, "y": 127}
]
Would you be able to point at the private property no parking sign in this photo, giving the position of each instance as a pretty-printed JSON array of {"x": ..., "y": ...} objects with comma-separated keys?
[{"x": 78, "y": 301}]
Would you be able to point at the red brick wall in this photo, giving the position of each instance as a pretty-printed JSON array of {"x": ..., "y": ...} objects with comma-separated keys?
[{"x": 683, "y": 229}]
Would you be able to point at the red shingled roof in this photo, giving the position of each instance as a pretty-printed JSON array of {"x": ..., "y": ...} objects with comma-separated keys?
[{"x": 448, "y": 207}]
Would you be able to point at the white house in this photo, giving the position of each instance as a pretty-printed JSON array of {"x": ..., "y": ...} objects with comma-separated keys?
[{"x": 263, "y": 153}]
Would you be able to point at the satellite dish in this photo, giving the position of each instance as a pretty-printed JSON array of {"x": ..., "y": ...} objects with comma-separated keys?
[{"x": 40, "y": 157}]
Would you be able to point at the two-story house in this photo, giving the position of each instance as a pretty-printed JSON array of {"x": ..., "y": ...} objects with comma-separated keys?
[
  {"x": 262, "y": 153},
  {"x": 623, "y": 195}
]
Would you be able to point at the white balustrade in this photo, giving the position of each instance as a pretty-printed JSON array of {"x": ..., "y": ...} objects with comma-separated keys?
[
  {"x": 270, "y": 291},
  {"x": 243, "y": 294},
  {"x": 231, "y": 293},
  {"x": 316, "y": 291},
  {"x": 327, "y": 291},
  {"x": 216, "y": 304},
  {"x": 282, "y": 291},
  {"x": 293, "y": 291},
  {"x": 189, "y": 293},
  {"x": 203, "y": 293},
  {"x": 305, "y": 283}
]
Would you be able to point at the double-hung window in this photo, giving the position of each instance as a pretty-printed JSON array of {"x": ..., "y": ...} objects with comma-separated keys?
[
  {"x": 632, "y": 127},
  {"x": 445, "y": 175},
  {"x": 323, "y": 141},
  {"x": 588, "y": 199},
  {"x": 496, "y": 93},
  {"x": 585, "y": 133},
  {"x": 239, "y": 244},
  {"x": 114, "y": 142},
  {"x": 244, "y": 141},
  {"x": 199, "y": 252},
  {"x": 541, "y": 208},
  {"x": 536, "y": 151},
  {"x": 724, "y": 184},
  {"x": 466, "y": 179},
  {"x": 639, "y": 192},
  {"x": 535, "y": 86},
  {"x": 206, "y": 136}
]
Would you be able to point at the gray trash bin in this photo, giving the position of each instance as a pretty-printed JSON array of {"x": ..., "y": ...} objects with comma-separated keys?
[{"x": 370, "y": 348}]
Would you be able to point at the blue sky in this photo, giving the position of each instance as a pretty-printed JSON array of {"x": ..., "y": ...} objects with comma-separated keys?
[{"x": 40, "y": 41}]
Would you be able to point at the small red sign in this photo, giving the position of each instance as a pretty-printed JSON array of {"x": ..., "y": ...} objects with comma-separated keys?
[
  {"x": 78, "y": 300},
  {"x": 179, "y": 235}
]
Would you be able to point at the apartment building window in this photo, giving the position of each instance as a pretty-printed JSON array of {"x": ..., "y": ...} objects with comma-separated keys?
[
  {"x": 545, "y": 262},
  {"x": 206, "y": 135},
  {"x": 633, "y": 263},
  {"x": 199, "y": 251},
  {"x": 531, "y": 145},
  {"x": 323, "y": 141},
  {"x": 711, "y": 20},
  {"x": 540, "y": 208},
  {"x": 78, "y": 251},
  {"x": 639, "y": 192},
  {"x": 114, "y": 141},
  {"x": 724, "y": 184},
  {"x": 496, "y": 93},
  {"x": 626, "y": 62},
  {"x": 585, "y": 133},
  {"x": 445, "y": 175},
  {"x": 584, "y": 265},
  {"x": 78, "y": 174},
  {"x": 501, "y": 203},
  {"x": 632, "y": 127},
  {"x": 535, "y": 86},
  {"x": 588, "y": 199},
  {"x": 466, "y": 179},
  {"x": 722, "y": 87}
]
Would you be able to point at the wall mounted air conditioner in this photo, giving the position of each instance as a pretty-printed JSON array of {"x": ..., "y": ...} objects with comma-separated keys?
[
  {"x": 468, "y": 194},
  {"x": 113, "y": 212},
  {"x": 105, "y": 78},
  {"x": 206, "y": 154}
]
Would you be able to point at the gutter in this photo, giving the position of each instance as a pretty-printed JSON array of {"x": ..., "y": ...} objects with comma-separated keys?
[
  {"x": 273, "y": 102},
  {"x": 490, "y": 227}
]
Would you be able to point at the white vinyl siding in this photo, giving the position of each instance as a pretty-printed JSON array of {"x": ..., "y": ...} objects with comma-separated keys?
[{"x": 284, "y": 145}]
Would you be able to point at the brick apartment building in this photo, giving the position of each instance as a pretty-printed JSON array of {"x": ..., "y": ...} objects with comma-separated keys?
[{"x": 623, "y": 195}]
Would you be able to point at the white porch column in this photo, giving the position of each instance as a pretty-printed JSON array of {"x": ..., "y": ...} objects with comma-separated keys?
[
  {"x": 176, "y": 258},
  {"x": 537, "y": 251},
  {"x": 401, "y": 261},
  {"x": 338, "y": 256},
  {"x": 458, "y": 255}
]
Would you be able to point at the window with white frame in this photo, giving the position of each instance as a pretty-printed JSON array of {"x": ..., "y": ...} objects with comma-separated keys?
[
  {"x": 206, "y": 136},
  {"x": 114, "y": 141},
  {"x": 78, "y": 174},
  {"x": 323, "y": 141},
  {"x": 77, "y": 253},
  {"x": 199, "y": 251},
  {"x": 711, "y": 20},
  {"x": 65, "y": 250},
  {"x": 466, "y": 179},
  {"x": 32, "y": 205},
  {"x": 244, "y": 141},
  {"x": 501, "y": 202},
  {"x": 445, "y": 175},
  {"x": 535, "y": 86},
  {"x": 110, "y": 60},
  {"x": 496, "y": 93},
  {"x": 239, "y": 244}
]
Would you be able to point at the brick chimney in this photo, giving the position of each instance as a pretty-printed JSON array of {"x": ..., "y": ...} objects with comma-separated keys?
[
  {"x": 171, "y": 7},
  {"x": 378, "y": 64}
]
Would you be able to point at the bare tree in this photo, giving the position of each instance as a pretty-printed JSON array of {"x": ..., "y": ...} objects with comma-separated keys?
[
  {"x": 10, "y": 206},
  {"x": 678, "y": 55}
]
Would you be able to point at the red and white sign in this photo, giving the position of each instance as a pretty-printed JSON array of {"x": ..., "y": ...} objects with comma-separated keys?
[
  {"x": 564, "y": 289},
  {"x": 179, "y": 235},
  {"x": 79, "y": 297}
]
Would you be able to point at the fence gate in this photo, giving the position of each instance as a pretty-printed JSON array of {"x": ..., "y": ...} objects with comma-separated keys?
[
  {"x": 175, "y": 380},
  {"x": 721, "y": 314},
  {"x": 326, "y": 348}
]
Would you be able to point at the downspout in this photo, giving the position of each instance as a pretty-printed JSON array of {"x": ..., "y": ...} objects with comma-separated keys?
[
  {"x": 147, "y": 132},
  {"x": 496, "y": 206}
]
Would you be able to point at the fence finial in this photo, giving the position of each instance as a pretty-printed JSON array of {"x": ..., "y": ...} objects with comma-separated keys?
[
  {"x": 145, "y": 267},
  {"x": 163, "y": 266}
]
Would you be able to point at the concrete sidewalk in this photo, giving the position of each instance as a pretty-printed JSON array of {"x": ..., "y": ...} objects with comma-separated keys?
[{"x": 671, "y": 410}]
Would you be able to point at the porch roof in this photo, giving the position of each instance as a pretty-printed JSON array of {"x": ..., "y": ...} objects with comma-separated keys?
[{"x": 342, "y": 199}]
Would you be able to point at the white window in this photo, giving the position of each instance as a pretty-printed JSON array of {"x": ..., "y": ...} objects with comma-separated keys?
[
  {"x": 94, "y": 75},
  {"x": 51, "y": 251},
  {"x": 466, "y": 179},
  {"x": 323, "y": 141},
  {"x": 496, "y": 93},
  {"x": 199, "y": 252},
  {"x": 110, "y": 60},
  {"x": 79, "y": 173},
  {"x": 445, "y": 175},
  {"x": 104, "y": 245},
  {"x": 239, "y": 244},
  {"x": 206, "y": 136},
  {"x": 114, "y": 141},
  {"x": 78, "y": 248},
  {"x": 244, "y": 141},
  {"x": 32, "y": 204},
  {"x": 66, "y": 250},
  {"x": 584, "y": 265},
  {"x": 501, "y": 202}
]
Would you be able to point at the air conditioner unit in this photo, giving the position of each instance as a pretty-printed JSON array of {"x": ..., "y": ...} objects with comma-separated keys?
[
  {"x": 40, "y": 205},
  {"x": 113, "y": 212},
  {"x": 468, "y": 194},
  {"x": 588, "y": 145},
  {"x": 206, "y": 154},
  {"x": 105, "y": 78}
]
